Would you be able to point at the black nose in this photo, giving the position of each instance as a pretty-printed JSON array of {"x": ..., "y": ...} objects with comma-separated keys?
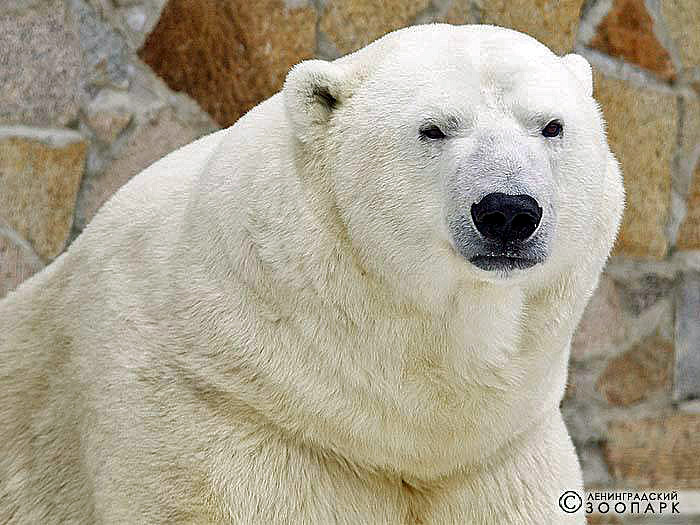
[{"x": 504, "y": 218}]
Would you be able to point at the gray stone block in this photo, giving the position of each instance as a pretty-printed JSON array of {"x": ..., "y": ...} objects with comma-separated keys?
[
  {"x": 40, "y": 66},
  {"x": 686, "y": 382}
]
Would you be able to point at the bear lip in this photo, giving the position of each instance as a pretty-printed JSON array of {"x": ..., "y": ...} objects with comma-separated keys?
[{"x": 502, "y": 262}]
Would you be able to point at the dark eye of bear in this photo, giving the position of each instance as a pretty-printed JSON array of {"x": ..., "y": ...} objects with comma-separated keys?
[
  {"x": 553, "y": 129},
  {"x": 432, "y": 132}
]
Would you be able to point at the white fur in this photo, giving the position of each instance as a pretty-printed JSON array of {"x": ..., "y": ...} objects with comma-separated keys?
[{"x": 272, "y": 323}]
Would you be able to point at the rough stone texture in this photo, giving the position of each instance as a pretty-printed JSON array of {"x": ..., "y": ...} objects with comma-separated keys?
[
  {"x": 601, "y": 328},
  {"x": 655, "y": 452},
  {"x": 628, "y": 32},
  {"x": 602, "y": 519},
  {"x": 552, "y": 22},
  {"x": 229, "y": 55},
  {"x": 686, "y": 382},
  {"x": 691, "y": 407},
  {"x": 104, "y": 50},
  {"x": 642, "y": 126},
  {"x": 689, "y": 234},
  {"x": 108, "y": 114},
  {"x": 686, "y": 182},
  {"x": 40, "y": 171},
  {"x": 642, "y": 370},
  {"x": 40, "y": 67},
  {"x": 682, "y": 19},
  {"x": 584, "y": 415},
  {"x": 640, "y": 293},
  {"x": 634, "y": 307},
  {"x": 134, "y": 19},
  {"x": 690, "y": 126},
  {"x": 148, "y": 95},
  {"x": 352, "y": 25},
  {"x": 461, "y": 12},
  {"x": 150, "y": 141},
  {"x": 9, "y": 6},
  {"x": 17, "y": 263},
  {"x": 595, "y": 471}
]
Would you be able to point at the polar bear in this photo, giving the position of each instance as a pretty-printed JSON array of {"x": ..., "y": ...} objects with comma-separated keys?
[{"x": 353, "y": 306}]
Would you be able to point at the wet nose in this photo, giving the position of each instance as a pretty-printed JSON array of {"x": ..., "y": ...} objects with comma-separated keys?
[{"x": 506, "y": 218}]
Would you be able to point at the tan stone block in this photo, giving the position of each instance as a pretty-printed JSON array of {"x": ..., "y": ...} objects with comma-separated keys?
[
  {"x": 642, "y": 126},
  {"x": 601, "y": 328},
  {"x": 552, "y": 22},
  {"x": 108, "y": 124},
  {"x": 16, "y": 264},
  {"x": 628, "y": 32},
  {"x": 352, "y": 25},
  {"x": 659, "y": 452},
  {"x": 689, "y": 233},
  {"x": 643, "y": 370},
  {"x": 236, "y": 53},
  {"x": 151, "y": 141},
  {"x": 682, "y": 19},
  {"x": 690, "y": 129},
  {"x": 108, "y": 114},
  {"x": 40, "y": 67},
  {"x": 40, "y": 172}
]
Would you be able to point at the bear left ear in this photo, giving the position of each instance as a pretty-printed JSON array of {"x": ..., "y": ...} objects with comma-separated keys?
[
  {"x": 581, "y": 69},
  {"x": 312, "y": 91}
]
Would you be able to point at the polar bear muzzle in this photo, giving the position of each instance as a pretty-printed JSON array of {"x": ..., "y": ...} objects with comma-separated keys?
[{"x": 502, "y": 232}]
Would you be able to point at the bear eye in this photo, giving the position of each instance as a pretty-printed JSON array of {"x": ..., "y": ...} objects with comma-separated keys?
[
  {"x": 432, "y": 132},
  {"x": 553, "y": 129}
]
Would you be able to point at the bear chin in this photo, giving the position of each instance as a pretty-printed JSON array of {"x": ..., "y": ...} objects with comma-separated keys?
[{"x": 502, "y": 263}]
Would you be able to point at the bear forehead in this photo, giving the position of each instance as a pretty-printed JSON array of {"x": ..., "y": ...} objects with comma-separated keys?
[{"x": 471, "y": 55}]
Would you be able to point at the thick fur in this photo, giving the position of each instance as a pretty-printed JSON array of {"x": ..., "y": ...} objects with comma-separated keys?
[{"x": 273, "y": 325}]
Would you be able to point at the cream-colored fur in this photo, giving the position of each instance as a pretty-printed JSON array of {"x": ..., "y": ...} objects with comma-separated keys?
[{"x": 272, "y": 325}]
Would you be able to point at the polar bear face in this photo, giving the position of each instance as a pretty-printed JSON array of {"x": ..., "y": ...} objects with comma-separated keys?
[{"x": 460, "y": 152}]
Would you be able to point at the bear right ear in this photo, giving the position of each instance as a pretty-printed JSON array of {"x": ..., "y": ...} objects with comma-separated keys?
[
  {"x": 312, "y": 91},
  {"x": 581, "y": 70}
]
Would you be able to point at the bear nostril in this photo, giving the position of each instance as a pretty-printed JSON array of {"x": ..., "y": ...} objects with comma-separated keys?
[
  {"x": 506, "y": 218},
  {"x": 492, "y": 223},
  {"x": 523, "y": 225},
  {"x": 494, "y": 220}
]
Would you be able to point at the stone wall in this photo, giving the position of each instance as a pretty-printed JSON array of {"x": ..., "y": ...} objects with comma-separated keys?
[{"x": 93, "y": 91}]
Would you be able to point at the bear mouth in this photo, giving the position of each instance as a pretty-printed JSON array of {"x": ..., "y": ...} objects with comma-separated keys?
[{"x": 502, "y": 262}]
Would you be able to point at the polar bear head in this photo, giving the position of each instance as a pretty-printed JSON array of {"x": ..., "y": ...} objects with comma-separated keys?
[{"x": 459, "y": 153}]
